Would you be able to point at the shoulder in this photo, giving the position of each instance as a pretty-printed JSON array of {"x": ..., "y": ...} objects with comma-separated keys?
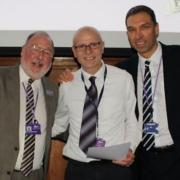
[
  {"x": 77, "y": 74},
  {"x": 130, "y": 64},
  {"x": 76, "y": 80},
  {"x": 49, "y": 86},
  {"x": 173, "y": 46},
  {"x": 118, "y": 78},
  {"x": 9, "y": 69},
  {"x": 171, "y": 55},
  {"x": 114, "y": 69},
  {"x": 117, "y": 73},
  {"x": 8, "y": 72},
  {"x": 170, "y": 48},
  {"x": 47, "y": 82}
]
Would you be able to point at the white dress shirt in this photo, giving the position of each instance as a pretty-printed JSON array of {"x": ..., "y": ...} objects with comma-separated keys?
[
  {"x": 117, "y": 122},
  {"x": 163, "y": 138},
  {"x": 40, "y": 116}
]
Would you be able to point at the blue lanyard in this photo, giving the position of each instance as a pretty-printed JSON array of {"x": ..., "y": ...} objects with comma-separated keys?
[{"x": 102, "y": 90}]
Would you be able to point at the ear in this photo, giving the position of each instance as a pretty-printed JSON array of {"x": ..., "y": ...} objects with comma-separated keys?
[
  {"x": 102, "y": 47},
  {"x": 74, "y": 52},
  {"x": 22, "y": 49},
  {"x": 157, "y": 30}
]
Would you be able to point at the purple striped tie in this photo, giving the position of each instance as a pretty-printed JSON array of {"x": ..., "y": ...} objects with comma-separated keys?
[
  {"x": 29, "y": 146},
  {"x": 148, "y": 139},
  {"x": 89, "y": 119}
]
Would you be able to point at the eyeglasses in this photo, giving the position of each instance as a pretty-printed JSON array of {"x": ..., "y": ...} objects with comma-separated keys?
[
  {"x": 37, "y": 49},
  {"x": 83, "y": 47}
]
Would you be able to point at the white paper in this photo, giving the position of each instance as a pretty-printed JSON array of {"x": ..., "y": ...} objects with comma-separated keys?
[{"x": 116, "y": 152}]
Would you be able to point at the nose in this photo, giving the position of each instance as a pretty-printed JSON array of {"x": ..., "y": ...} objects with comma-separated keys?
[
  {"x": 41, "y": 53},
  {"x": 138, "y": 34},
  {"x": 88, "y": 49}
]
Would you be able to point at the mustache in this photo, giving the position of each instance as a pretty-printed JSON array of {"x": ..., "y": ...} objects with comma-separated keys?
[{"x": 38, "y": 62}]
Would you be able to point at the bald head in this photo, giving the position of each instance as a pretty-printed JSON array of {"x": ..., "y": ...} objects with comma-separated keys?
[
  {"x": 86, "y": 30},
  {"x": 88, "y": 48}
]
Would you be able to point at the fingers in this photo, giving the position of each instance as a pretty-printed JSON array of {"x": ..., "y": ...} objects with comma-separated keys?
[
  {"x": 127, "y": 161},
  {"x": 65, "y": 76}
]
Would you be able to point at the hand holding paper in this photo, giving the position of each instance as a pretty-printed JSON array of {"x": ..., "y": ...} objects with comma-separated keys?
[
  {"x": 127, "y": 160},
  {"x": 116, "y": 152}
]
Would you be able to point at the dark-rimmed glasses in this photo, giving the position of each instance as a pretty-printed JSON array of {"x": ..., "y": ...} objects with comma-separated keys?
[
  {"x": 37, "y": 50},
  {"x": 83, "y": 47}
]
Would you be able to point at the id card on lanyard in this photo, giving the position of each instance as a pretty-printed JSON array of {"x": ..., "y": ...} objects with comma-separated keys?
[
  {"x": 99, "y": 141},
  {"x": 151, "y": 127},
  {"x": 33, "y": 127}
]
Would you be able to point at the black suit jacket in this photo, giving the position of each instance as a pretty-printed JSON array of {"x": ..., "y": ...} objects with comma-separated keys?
[{"x": 171, "y": 68}]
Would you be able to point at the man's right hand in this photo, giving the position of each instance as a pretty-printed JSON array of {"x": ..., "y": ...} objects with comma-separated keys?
[{"x": 65, "y": 76}]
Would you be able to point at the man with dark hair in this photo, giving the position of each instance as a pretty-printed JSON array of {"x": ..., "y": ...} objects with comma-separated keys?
[
  {"x": 155, "y": 69},
  {"x": 28, "y": 103}
]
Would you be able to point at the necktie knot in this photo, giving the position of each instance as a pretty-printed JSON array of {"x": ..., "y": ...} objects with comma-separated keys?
[
  {"x": 92, "y": 79},
  {"x": 92, "y": 91},
  {"x": 147, "y": 63},
  {"x": 30, "y": 81}
]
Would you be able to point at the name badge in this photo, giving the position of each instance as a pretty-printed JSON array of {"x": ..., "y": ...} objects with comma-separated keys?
[
  {"x": 151, "y": 128},
  {"x": 100, "y": 142},
  {"x": 33, "y": 128}
]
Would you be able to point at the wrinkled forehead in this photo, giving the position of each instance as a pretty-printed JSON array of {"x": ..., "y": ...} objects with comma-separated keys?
[{"x": 40, "y": 40}]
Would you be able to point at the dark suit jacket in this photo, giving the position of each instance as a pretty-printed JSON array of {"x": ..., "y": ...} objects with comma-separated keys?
[
  {"x": 171, "y": 68},
  {"x": 9, "y": 118}
]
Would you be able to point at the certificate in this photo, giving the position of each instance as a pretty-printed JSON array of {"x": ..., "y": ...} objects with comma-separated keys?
[{"x": 116, "y": 152}]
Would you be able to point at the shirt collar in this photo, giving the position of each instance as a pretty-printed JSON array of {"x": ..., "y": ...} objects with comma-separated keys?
[
  {"x": 155, "y": 58},
  {"x": 98, "y": 74},
  {"x": 24, "y": 77}
]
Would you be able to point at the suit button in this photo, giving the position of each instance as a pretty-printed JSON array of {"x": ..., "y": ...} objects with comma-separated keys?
[
  {"x": 8, "y": 172},
  {"x": 16, "y": 148}
]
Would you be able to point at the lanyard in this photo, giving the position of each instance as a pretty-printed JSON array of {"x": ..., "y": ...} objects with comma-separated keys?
[
  {"x": 100, "y": 96},
  {"x": 35, "y": 105},
  {"x": 155, "y": 86},
  {"x": 102, "y": 89}
]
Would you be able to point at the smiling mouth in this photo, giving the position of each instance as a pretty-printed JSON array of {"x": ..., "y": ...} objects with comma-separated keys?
[
  {"x": 90, "y": 58},
  {"x": 140, "y": 43},
  {"x": 38, "y": 63}
]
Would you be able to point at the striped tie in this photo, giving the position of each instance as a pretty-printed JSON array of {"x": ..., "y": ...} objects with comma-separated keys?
[
  {"x": 89, "y": 119},
  {"x": 29, "y": 146},
  {"x": 148, "y": 139}
]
